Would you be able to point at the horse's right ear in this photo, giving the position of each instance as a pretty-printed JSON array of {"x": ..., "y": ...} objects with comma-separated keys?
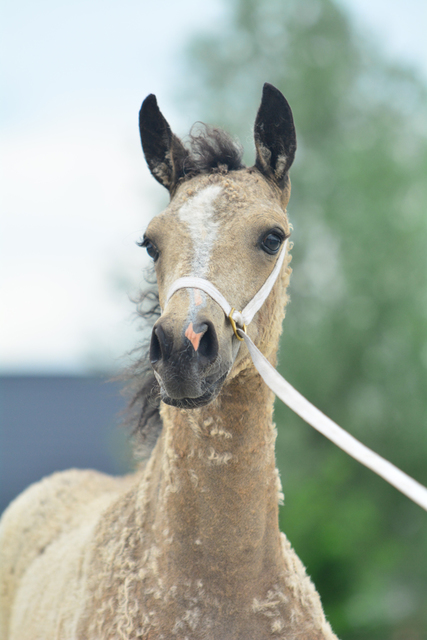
[
  {"x": 164, "y": 152},
  {"x": 275, "y": 138}
]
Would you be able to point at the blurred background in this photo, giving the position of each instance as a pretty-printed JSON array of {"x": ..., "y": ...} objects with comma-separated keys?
[{"x": 76, "y": 196}]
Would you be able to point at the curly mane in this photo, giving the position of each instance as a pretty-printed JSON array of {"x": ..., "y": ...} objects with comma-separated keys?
[
  {"x": 211, "y": 150},
  {"x": 141, "y": 386}
]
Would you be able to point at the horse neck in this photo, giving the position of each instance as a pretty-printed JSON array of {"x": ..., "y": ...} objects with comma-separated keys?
[{"x": 214, "y": 485}]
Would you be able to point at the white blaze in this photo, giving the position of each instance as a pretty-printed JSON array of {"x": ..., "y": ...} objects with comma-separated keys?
[{"x": 198, "y": 215}]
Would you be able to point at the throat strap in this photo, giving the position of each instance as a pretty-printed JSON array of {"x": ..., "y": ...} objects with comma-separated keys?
[{"x": 291, "y": 397}]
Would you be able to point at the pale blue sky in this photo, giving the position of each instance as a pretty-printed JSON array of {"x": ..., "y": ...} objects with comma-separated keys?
[{"x": 76, "y": 194}]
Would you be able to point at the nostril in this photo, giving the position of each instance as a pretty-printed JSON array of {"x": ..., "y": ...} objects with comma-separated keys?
[
  {"x": 158, "y": 345},
  {"x": 208, "y": 347}
]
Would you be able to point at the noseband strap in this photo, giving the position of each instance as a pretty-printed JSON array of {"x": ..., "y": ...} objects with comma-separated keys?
[{"x": 291, "y": 397}]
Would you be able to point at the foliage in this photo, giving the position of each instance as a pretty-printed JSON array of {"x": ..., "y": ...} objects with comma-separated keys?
[{"x": 355, "y": 336}]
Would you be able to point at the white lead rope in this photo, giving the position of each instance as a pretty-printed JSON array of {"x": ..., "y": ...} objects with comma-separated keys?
[
  {"x": 308, "y": 412},
  {"x": 291, "y": 397}
]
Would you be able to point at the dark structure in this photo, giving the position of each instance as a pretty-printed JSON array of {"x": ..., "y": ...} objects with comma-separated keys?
[{"x": 49, "y": 423}]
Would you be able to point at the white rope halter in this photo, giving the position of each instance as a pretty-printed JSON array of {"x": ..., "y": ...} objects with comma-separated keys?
[{"x": 290, "y": 396}]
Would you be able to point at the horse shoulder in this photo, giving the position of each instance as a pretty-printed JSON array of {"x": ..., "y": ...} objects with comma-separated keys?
[{"x": 47, "y": 511}]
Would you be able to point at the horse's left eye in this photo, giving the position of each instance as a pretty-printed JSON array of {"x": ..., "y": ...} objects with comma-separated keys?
[{"x": 271, "y": 243}]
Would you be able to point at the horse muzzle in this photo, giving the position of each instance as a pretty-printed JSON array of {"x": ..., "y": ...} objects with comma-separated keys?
[{"x": 188, "y": 361}]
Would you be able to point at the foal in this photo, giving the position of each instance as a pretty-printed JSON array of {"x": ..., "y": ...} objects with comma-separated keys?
[{"x": 189, "y": 547}]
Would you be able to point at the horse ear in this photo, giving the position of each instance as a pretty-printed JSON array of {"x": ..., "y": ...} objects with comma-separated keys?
[
  {"x": 164, "y": 152},
  {"x": 275, "y": 138}
]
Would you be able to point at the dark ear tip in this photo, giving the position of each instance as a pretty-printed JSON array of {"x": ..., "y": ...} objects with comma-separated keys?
[
  {"x": 271, "y": 92},
  {"x": 149, "y": 103},
  {"x": 269, "y": 88}
]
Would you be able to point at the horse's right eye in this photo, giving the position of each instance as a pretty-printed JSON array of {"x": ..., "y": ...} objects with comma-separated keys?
[{"x": 151, "y": 248}]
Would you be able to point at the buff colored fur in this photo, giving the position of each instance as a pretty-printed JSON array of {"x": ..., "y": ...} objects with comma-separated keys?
[{"x": 188, "y": 548}]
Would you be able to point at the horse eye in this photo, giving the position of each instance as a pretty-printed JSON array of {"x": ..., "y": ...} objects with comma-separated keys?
[
  {"x": 150, "y": 247},
  {"x": 272, "y": 243}
]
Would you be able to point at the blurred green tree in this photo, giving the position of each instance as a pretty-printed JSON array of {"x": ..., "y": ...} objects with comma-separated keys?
[{"x": 355, "y": 335}]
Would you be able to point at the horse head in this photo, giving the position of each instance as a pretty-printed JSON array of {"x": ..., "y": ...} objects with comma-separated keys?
[{"x": 227, "y": 224}]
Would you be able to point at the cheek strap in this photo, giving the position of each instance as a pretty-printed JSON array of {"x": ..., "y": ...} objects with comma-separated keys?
[{"x": 290, "y": 396}]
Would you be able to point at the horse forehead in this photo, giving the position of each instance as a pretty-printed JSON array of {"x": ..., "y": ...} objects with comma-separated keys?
[
  {"x": 206, "y": 207},
  {"x": 222, "y": 200},
  {"x": 199, "y": 212}
]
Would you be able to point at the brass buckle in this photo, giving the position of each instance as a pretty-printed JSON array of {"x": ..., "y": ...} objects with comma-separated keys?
[{"x": 233, "y": 324}]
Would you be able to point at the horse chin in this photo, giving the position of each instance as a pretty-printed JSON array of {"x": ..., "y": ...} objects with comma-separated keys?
[{"x": 194, "y": 403}]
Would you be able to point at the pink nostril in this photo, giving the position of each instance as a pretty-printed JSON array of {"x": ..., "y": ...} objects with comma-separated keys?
[{"x": 193, "y": 337}]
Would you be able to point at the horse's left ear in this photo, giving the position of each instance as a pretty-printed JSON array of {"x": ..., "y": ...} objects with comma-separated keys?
[
  {"x": 164, "y": 152},
  {"x": 275, "y": 138}
]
